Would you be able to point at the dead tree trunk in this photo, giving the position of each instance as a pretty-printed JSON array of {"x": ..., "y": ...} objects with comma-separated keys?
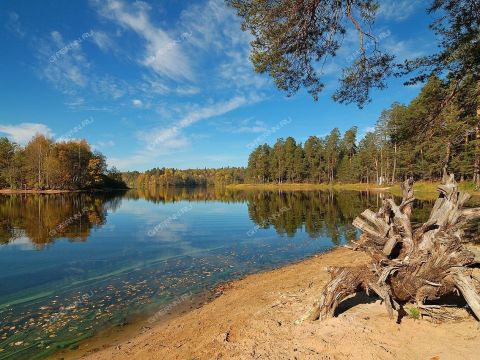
[{"x": 411, "y": 264}]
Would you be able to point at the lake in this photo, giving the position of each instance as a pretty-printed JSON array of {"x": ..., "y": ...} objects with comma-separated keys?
[{"x": 74, "y": 264}]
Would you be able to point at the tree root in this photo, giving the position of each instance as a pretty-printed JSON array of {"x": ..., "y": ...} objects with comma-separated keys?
[{"x": 411, "y": 264}]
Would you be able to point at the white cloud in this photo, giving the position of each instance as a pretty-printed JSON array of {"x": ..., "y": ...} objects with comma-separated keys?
[
  {"x": 163, "y": 54},
  {"x": 364, "y": 131},
  {"x": 153, "y": 86},
  {"x": 104, "y": 144},
  {"x": 206, "y": 37},
  {"x": 171, "y": 137},
  {"x": 398, "y": 10},
  {"x": 137, "y": 103},
  {"x": 243, "y": 126},
  {"x": 406, "y": 49},
  {"x": 215, "y": 29},
  {"x": 14, "y": 26},
  {"x": 111, "y": 87},
  {"x": 102, "y": 40},
  {"x": 251, "y": 129},
  {"x": 187, "y": 90},
  {"x": 63, "y": 64},
  {"x": 23, "y": 133},
  {"x": 128, "y": 162},
  {"x": 212, "y": 110},
  {"x": 162, "y": 141},
  {"x": 75, "y": 102}
]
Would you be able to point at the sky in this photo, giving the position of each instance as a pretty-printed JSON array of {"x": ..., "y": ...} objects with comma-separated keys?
[{"x": 169, "y": 83}]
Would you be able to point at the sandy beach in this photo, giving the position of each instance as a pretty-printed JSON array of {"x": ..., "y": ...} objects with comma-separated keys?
[{"x": 259, "y": 317}]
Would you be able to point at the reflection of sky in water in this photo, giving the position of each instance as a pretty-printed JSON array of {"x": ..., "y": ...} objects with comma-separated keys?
[
  {"x": 120, "y": 270},
  {"x": 21, "y": 243}
]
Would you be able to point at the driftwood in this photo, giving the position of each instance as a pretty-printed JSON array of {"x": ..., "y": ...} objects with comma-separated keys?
[{"x": 411, "y": 263}]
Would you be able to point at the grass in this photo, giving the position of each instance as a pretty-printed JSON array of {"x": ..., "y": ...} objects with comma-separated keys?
[
  {"x": 413, "y": 313},
  {"x": 307, "y": 187}
]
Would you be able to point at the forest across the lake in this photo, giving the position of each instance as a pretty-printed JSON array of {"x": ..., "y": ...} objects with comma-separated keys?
[
  {"x": 420, "y": 139},
  {"x": 44, "y": 164}
]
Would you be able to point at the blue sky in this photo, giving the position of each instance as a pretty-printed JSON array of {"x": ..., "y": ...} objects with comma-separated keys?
[{"x": 168, "y": 83}]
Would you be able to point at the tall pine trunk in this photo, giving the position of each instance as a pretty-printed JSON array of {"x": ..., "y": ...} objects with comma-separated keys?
[
  {"x": 394, "y": 162},
  {"x": 476, "y": 167}
]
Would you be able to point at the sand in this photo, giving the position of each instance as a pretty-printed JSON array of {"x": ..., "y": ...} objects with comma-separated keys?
[{"x": 258, "y": 318}]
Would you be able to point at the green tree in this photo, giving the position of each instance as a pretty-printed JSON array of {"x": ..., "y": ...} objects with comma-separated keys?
[
  {"x": 278, "y": 166},
  {"x": 291, "y": 37},
  {"x": 368, "y": 157},
  {"x": 332, "y": 155},
  {"x": 299, "y": 166},
  {"x": 36, "y": 153},
  {"x": 7, "y": 153},
  {"x": 313, "y": 154},
  {"x": 289, "y": 151}
]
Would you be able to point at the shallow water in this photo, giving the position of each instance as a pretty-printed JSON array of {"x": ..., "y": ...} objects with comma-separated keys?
[{"x": 73, "y": 264}]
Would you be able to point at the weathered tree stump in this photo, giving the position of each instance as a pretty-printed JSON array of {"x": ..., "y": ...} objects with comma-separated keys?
[{"x": 411, "y": 264}]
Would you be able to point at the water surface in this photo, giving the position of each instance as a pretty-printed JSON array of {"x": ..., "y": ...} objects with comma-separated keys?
[{"x": 73, "y": 264}]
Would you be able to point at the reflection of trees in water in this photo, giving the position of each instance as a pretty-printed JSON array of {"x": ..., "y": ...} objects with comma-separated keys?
[
  {"x": 173, "y": 194},
  {"x": 73, "y": 215},
  {"x": 45, "y": 217},
  {"x": 327, "y": 214}
]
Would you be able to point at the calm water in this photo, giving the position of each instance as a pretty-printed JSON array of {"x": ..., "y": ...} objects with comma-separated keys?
[{"x": 73, "y": 264}]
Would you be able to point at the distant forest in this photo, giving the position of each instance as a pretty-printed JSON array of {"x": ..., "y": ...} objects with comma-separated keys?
[
  {"x": 44, "y": 164},
  {"x": 190, "y": 177},
  {"x": 436, "y": 131}
]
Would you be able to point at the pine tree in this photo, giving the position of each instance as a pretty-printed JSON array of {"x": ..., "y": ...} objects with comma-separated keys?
[{"x": 313, "y": 158}]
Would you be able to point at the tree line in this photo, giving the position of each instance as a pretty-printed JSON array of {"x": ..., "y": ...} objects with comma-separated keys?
[
  {"x": 436, "y": 131},
  {"x": 188, "y": 177},
  {"x": 442, "y": 115},
  {"x": 44, "y": 164}
]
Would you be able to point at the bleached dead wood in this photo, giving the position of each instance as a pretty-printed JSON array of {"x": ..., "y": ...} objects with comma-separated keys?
[{"x": 411, "y": 264}]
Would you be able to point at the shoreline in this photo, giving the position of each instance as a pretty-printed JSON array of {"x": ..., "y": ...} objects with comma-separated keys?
[
  {"x": 309, "y": 187},
  {"x": 137, "y": 325},
  {"x": 19, "y": 191},
  {"x": 33, "y": 191},
  {"x": 424, "y": 190},
  {"x": 260, "y": 316},
  {"x": 116, "y": 335}
]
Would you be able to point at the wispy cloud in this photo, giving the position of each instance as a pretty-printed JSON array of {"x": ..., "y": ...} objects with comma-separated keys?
[
  {"x": 161, "y": 53},
  {"x": 14, "y": 26},
  {"x": 22, "y": 133},
  {"x": 103, "y": 144},
  {"x": 364, "y": 131},
  {"x": 162, "y": 141},
  {"x": 172, "y": 137},
  {"x": 215, "y": 29},
  {"x": 65, "y": 65},
  {"x": 102, "y": 40},
  {"x": 248, "y": 125},
  {"x": 251, "y": 129},
  {"x": 398, "y": 10},
  {"x": 406, "y": 49},
  {"x": 169, "y": 67},
  {"x": 68, "y": 71}
]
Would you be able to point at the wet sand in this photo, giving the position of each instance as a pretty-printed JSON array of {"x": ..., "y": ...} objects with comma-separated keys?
[{"x": 259, "y": 316}]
